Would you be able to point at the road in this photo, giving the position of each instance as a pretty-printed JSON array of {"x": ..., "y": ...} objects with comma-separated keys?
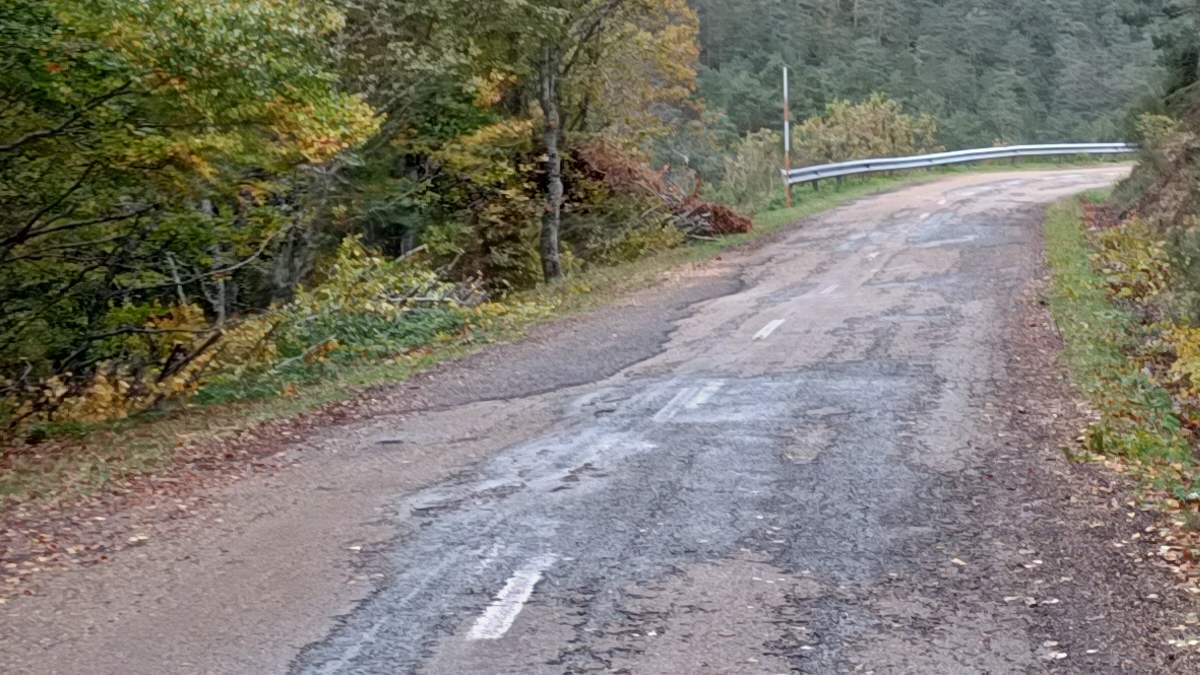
[{"x": 834, "y": 452}]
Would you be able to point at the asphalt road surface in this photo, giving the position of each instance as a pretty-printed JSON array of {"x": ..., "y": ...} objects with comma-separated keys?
[{"x": 807, "y": 457}]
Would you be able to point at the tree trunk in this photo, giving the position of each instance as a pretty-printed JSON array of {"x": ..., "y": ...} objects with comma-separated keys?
[{"x": 551, "y": 137}]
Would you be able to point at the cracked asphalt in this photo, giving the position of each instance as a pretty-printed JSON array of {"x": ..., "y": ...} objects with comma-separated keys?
[{"x": 834, "y": 452}]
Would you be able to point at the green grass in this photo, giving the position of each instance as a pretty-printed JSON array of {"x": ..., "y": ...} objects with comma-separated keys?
[
  {"x": 1136, "y": 418},
  {"x": 87, "y": 458}
]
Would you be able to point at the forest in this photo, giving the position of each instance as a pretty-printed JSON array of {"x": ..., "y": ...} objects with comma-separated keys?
[
  {"x": 989, "y": 71},
  {"x": 206, "y": 198}
]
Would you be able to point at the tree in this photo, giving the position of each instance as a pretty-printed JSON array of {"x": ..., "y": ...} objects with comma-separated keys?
[
  {"x": 147, "y": 153},
  {"x": 877, "y": 127},
  {"x": 577, "y": 42},
  {"x": 989, "y": 69}
]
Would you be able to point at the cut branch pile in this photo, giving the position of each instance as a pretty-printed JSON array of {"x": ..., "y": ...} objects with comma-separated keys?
[{"x": 624, "y": 173}]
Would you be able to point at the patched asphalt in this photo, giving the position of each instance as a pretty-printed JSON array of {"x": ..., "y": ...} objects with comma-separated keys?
[{"x": 816, "y": 455}]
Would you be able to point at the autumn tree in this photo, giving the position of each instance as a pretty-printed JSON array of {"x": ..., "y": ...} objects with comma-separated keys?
[
  {"x": 877, "y": 127},
  {"x": 612, "y": 62},
  {"x": 148, "y": 157}
]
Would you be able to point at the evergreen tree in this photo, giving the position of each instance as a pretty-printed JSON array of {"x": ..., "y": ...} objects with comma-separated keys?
[{"x": 989, "y": 70}]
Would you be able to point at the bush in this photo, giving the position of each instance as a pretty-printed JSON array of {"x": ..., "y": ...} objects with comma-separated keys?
[
  {"x": 877, "y": 127},
  {"x": 1185, "y": 340},
  {"x": 1134, "y": 261},
  {"x": 364, "y": 307},
  {"x": 750, "y": 172}
]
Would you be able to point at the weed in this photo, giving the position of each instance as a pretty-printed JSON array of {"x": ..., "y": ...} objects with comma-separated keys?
[{"x": 1137, "y": 418}]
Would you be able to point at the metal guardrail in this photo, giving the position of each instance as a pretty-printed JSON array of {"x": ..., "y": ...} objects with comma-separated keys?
[{"x": 815, "y": 173}]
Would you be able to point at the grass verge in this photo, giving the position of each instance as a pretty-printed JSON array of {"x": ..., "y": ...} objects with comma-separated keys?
[
  {"x": 84, "y": 459},
  {"x": 1135, "y": 418}
]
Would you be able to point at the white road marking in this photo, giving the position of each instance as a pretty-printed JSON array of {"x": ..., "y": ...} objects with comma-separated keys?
[
  {"x": 872, "y": 256},
  {"x": 942, "y": 202},
  {"x": 705, "y": 394},
  {"x": 829, "y": 290},
  {"x": 500, "y": 615},
  {"x": 668, "y": 411},
  {"x": 768, "y": 329},
  {"x": 925, "y": 216}
]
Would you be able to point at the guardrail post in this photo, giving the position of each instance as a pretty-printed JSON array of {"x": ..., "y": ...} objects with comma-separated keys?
[{"x": 787, "y": 138}]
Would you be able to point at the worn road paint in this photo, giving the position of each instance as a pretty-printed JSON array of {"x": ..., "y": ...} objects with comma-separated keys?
[
  {"x": 487, "y": 559},
  {"x": 946, "y": 242},
  {"x": 706, "y": 393},
  {"x": 347, "y": 657},
  {"x": 668, "y": 411},
  {"x": 925, "y": 216},
  {"x": 829, "y": 290},
  {"x": 500, "y": 615},
  {"x": 768, "y": 329}
]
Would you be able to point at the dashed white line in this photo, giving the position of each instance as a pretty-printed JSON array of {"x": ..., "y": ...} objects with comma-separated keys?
[
  {"x": 942, "y": 202},
  {"x": 925, "y": 216},
  {"x": 768, "y": 329},
  {"x": 829, "y": 290},
  {"x": 500, "y": 615}
]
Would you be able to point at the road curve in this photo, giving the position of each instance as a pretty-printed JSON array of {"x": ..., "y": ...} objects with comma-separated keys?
[
  {"x": 767, "y": 494},
  {"x": 807, "y": 465}
]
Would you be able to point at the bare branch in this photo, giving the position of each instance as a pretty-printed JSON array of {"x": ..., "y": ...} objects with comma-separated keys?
[
  {"x": 67, "y": 123},
  {"x": 589, "y": 31},
  {"x": 174, "y": 283},
  {"x": 23, "y": 237}
]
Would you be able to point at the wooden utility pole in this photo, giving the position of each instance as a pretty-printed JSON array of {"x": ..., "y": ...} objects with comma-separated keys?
[{"x": 787, "y": 138}]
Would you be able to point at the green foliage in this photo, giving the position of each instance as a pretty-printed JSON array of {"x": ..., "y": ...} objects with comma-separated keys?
[
  {"x": 1134, "y": 262},
  {"x": 1155, "y": 131},
  {"x": 750, "y": 178},
  {"x": 1136, "y": 415},
  {"x": 486, "y": 181},
  {"x": 877, "y": 127},
  {"x": 365, "y": 308},
  {"x": 988, "y": 70},
  {"x": 1185, "y": 341},
  {"x": 607, "y": 229},
  {"x": 1183, "y": 245},
  {"x": 147, "y": 155},
  {"x": 177, "y": 178}
]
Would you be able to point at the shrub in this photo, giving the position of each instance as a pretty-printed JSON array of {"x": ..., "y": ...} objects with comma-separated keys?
[
  {"x": 1185, "y": 340},
  {"x": 750, "y": 172},
  {"x": 1134, "y": 261},
  {"x": 877, "y": 127},
  {"x": 364, "y": 307}
]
